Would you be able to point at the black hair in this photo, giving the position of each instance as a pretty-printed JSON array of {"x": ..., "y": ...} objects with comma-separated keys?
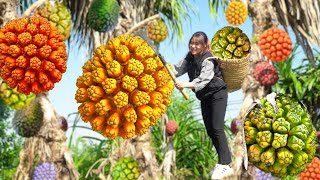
[{"x": 200, "y": 33}]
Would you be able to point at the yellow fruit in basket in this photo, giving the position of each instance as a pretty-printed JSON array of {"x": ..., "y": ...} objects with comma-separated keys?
[
  {"x": 236, "y": 13},
  {"x": 230, "y": 43},
  {"x": 123, "y": 89}
]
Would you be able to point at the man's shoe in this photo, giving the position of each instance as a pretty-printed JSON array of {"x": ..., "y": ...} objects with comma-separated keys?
[{"x": 221, "y": 171}]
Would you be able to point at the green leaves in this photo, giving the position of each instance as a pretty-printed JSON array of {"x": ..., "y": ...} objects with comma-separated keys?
[{"x": 194, "y": 149}]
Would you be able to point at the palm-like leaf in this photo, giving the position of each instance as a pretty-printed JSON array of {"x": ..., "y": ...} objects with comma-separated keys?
[
  {"x": 175, "y": 11},
  {"x": 214, "y": 6}
]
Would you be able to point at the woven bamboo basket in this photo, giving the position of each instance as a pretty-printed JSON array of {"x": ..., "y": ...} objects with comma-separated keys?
[{"x": 234, "y": 71}]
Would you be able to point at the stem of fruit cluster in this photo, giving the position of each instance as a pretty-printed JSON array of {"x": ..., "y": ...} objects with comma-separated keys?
[
  {"x": 143, "y": 23},
  {"x": 32, "y": 8}
]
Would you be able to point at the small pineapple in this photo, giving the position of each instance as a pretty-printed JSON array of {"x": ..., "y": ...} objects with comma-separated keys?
[
  {"x": 45, "y": 171},
  {"x": 230, "y": 43},
  {"x": 157, "y": 30},
  {"x": 13, "y": 98},
  {"x": 103, "y": 15},
  {"x": 275, "y": 44},
  {"x": 58, "y": 15},
  {"x": 28, "y": 120},
  {"x": 266, "y": 74},
  {"x": 236, "y": 13},
  {"x": 171, "y": 127},
  {"x": 126, "y": 169},
  {"x": 281, "y": 142},
  {"x": 261, "y": 175}
]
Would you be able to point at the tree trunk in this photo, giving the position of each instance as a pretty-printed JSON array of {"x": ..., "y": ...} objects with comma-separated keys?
[
  {"x": 262, "y": 17},
  {"x": 49, "y": 145},
  {"x": 8, "y": 10},
  {"x": 140, "y": 147}
]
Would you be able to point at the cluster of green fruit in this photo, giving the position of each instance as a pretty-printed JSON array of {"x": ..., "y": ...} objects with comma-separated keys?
[{"x": 280, "y": 136}]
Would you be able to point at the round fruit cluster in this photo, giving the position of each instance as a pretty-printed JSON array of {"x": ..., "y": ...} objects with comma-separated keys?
[
  {"x": 236, "y": 13},
  {"x": 275, "y": 44},
  {"x": 124, "y": 88},
  {"x": 266, "y": 74},
  {"x": 58, "y": 15},
  {"x": 32, "y": 55},
  {"x": 280, "y": 136},
  {"x": 312, "y": 171},
  {"x": 230, "y": 43},
  {"x": 157, "y": 30}
]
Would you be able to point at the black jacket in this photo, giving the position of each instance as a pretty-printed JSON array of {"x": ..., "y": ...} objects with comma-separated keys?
[{"x": 194, "y": 70}]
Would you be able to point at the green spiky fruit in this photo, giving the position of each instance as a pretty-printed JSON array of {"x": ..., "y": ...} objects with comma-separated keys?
[
  {"x": 280, "y": 138},
  {"x": 103, "y": 15},
  {"x": 28, "y": 120},
  {"x": 126, "y": 169},
  {"x": 230, "y": 43},
  {"x": 58, "y": 15},
  {"x": 14, "y": 99},
  {"x": 157, "y": 30}
]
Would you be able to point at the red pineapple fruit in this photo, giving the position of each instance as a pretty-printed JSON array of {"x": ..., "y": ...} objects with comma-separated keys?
[
  {"x": 235, "y": 126},
  {"x": 32, "y": 55},
  {"x": 266, "y": 74},
  {"x": 63, "y": 123},
  {"x": 275, "y": 44},
  {"x": 171, "y": 127}
]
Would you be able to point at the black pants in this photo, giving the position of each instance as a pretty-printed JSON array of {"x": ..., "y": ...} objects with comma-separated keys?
[{"x": 213, "y": 112}]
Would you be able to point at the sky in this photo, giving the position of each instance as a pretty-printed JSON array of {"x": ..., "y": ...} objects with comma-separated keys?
[{"x": 62, "y": 96}]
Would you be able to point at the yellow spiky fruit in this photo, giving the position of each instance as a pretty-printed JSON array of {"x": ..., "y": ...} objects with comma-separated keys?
[
  {"x": 157, "y": 30},
  {"x": 123, "y": 89},
  {"x": 236, "y": 13}
]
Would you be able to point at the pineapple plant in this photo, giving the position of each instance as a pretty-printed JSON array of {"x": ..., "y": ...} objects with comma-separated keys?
[
  {"x": 14, "y": 99},
  {"x": 32, "y": 55},
  {"x": 58, "y": 15},
  {"x": 266, "y": 74},
  {"x": 126, "y": 169},
  {"x": 236, "y": 13},
  {"x": 45, "y": 171},
  {"x": 157, "y": 30},
  {"x": 312, "y": 171},
  {"x": 171, "y": 127},
  {"x": 275, "y": 44},
  {"x": 103, "y": 15},
  {"x": 124, "y": 88},
  {"x": 28, "y": 120},
  {"x": 279, "y": 135},
  {"x": 230, "y": 43}
]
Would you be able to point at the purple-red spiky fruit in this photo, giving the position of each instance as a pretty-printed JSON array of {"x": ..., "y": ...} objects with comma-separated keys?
[
  {"x": 171, "y": 127},
  {"x": 63, "y": 123},
  {"x": 266, "y": 74},
  {"x": 235, "y": 126}
]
